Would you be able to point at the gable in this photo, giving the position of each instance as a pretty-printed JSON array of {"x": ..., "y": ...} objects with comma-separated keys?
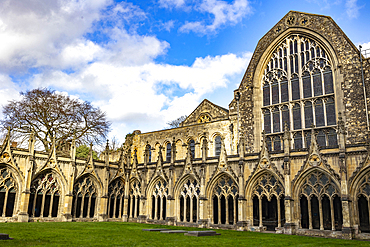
[{"x": 206, "y": 112}]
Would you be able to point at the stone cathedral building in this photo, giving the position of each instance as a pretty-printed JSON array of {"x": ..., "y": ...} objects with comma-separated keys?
[{"x": 290, "y": 154}]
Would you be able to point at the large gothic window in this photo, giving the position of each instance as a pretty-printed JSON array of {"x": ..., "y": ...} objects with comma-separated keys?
[
  {"x": 44, "y": 198},
  {"x": 8, "y": 190},
  {"x": 268, "y": 202},
  {"x": 116, "y": 193},
  {"x": 159, "y": 200},
  {"x": 84, "y": 198},
  {"x": 134, "y": 199},
  {"x": 189, "y": 201},
  {"x": 225, "y": 201},
  {"x": 297, "y": 85},
  {"x": 320, "y": 203}
]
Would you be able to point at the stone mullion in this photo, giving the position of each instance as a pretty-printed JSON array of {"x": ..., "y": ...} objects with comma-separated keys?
[
  {"x": 234, "y": 205},
  {"x": 321, "y": 214},
  {"x": 42, "y": 204},
  {"x": 135, "y": 209},
  {"x": 325, "y": 118},
  {"x": 120, "y": 206},
  {"x": 34, "y": 204},
  {"x": 161, "y": 208},
  {"x": 309, "y": 213},
  {"x": 260, "y": 211},
  {"x": 191, "y": 209},
  {"x": 227, "y": 210},
  {"x": 82, "y": 206},
  {"x": 155, "y": 208},
  {"x": 279, "y": 213},
  {"x": 185, "y": 218},
  {"x": 132, "y": 198},
  {"x": 114, "y": 206},
  {"x": 219, "y": 209},
  {"x": 109, "y": 201},
  {"x": 51, "y": 205},
  {"x": 332, "y": 214},
  {"x": 5, "y": 202},
  {"x": 88, "y": 207}
]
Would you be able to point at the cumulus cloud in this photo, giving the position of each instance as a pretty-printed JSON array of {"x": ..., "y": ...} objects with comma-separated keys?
[
  {"x": 61, "y": 41},
  {"x": 169, "y": 4},
  {"x": 223, "y": 13}
]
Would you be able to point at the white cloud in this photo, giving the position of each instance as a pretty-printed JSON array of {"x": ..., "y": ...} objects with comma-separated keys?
[
  {"x": 119, "y": 75},
  {"x": 169, "y": 4},
  {"x": 223, "y": 13},
  {"x": 352, "y": 8}
]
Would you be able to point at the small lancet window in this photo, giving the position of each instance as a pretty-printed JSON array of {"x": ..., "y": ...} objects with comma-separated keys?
[
  {"x": 192, "y": 148},
  {"x": 168, "y": 152},
  {"x": 217, "y": 145}
]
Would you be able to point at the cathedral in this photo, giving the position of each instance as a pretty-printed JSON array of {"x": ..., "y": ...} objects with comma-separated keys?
[{"x": 290, "y": 153}]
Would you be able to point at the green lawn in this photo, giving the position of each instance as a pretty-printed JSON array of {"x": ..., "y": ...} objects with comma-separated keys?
[{"x": 131, "y": 234}]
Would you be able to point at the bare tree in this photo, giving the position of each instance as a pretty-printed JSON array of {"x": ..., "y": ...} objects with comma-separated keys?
[
  {"x": 50, "y": 115},
  {"x": 176, "y": 123}
]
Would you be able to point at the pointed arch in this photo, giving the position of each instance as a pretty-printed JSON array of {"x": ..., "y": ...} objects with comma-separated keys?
[
  {"x": 157, "y": 192},
  {"x": 133, "y": 207},
  {"x": 186, "y": 193},
  {"x": 116, "y": 194},
  {"x": 86, "y": 195},
  {"x": 47, "y": 192},
  {"x": 10, "y": 188}
]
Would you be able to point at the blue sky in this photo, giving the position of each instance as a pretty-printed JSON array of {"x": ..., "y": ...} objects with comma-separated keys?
[{"x": 146, "y": 62}]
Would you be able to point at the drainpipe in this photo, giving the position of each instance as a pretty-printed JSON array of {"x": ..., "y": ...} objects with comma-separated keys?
[{"x": 363, "y": 84}]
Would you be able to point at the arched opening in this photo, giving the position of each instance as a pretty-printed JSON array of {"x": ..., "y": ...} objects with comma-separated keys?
[
  {"x": 363, "y": 213},
  {"x": 321, "y": 210},
  {"x": 84, "y": 194},
  {"x": 44, "y": 198},
  {"x": 116, "y": 191},
  {"x": 159, "y": 200},
  {"x": 224, "y": 194},
  {"x": 189, "y": 194}
]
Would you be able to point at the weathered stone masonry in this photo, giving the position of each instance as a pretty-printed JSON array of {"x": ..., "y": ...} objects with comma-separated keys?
[{"x": 299, "y": 163}]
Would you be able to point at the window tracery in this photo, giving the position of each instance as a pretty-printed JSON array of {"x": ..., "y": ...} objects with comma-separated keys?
[
  {"x": 116, "y": 193},
  {"x": 225, "y": 201},
  {"x": 268, "y": 202},
  {"x": 84, "y": 198},
  {"x": 320, "y": 203},
  {"x": 134, "y": 199},
  {"x": 8, "y": 190},
  {"x": 159, "y": 200},
  {"x": 44, "y": 198},
  {"x": 298, "y": 87},
  {"x": 189, "y": 200}
]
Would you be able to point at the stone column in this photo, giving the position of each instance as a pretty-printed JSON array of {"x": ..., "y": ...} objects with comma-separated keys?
[
  {"x": 347, "y": 232},
  {"x": 242, "y": 223},
  {"x": 203, "y": 202},
  {"x": 126, "y": 196},
  {"x": 290, "y": 226},
  {"x": 170, "y": 208}
]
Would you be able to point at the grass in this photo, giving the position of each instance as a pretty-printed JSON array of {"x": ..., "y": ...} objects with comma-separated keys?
[{"x": 131, "y": 234}]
